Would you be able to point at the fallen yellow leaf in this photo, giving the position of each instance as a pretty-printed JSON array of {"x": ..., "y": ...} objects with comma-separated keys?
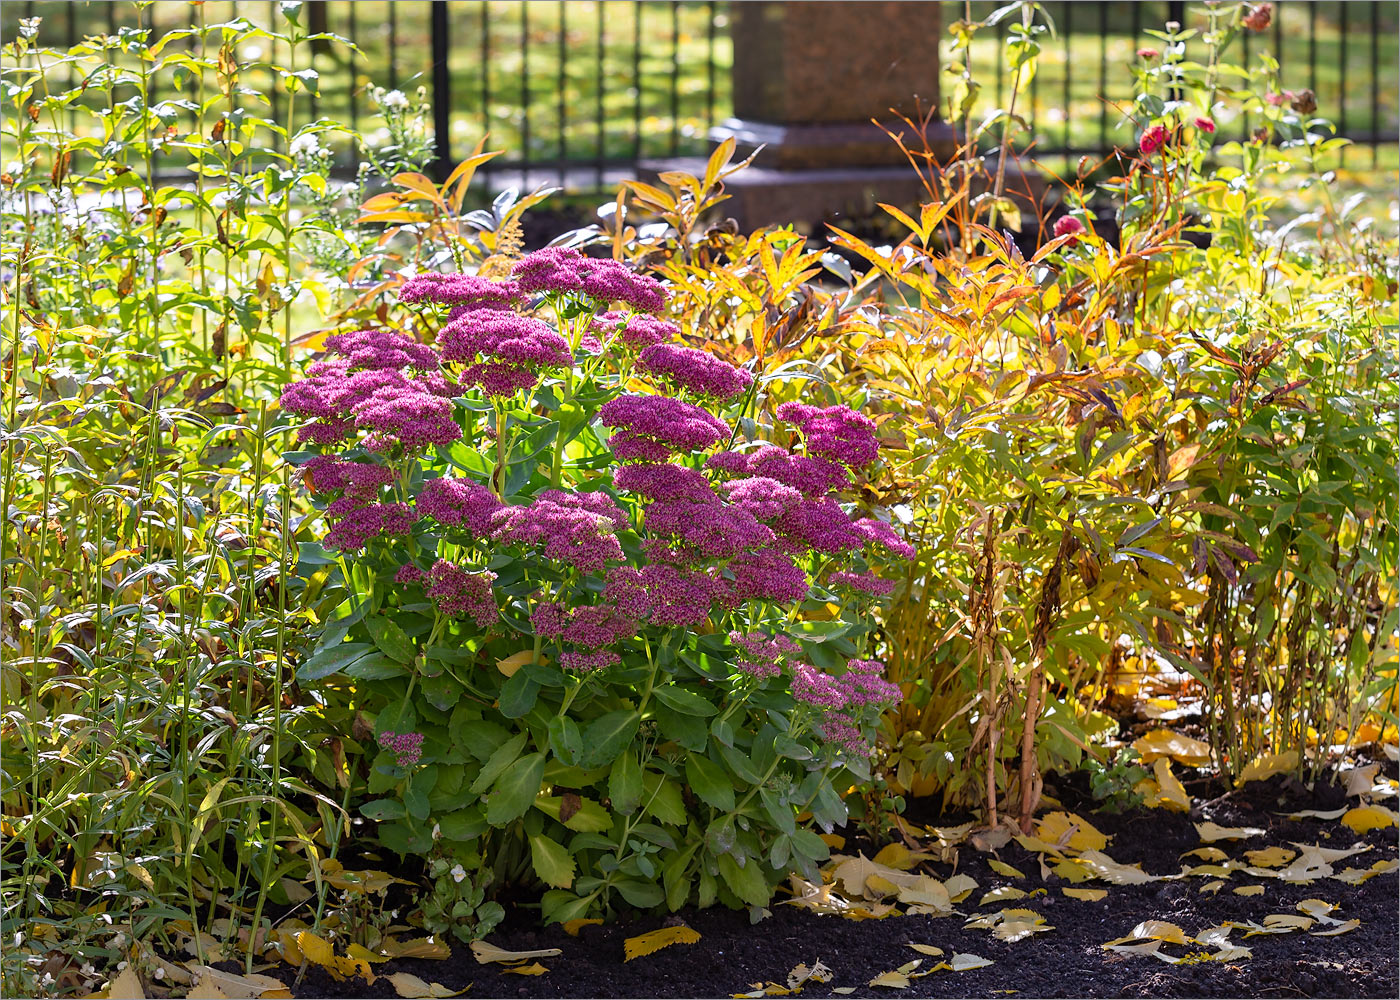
[
  {"x": 1249, "y": 890},
  {"x": 1267, "y": 765},
  {"x": 1371, "y": 817},
  {"x": 126, "y": 985},
  {"x": 1171, "y": 793},
  {"x": 533, "y": 969},
  {"x": 652, "y": 941},
  {"x": 1211, "y": 832},
  {"x": 1161, "y": 743},
  {"x": 413, "y": 988},
  {"x": 486, "y": 952},
  {"x": 1069, "y": 830},
  {"x": 1270, "y": 857},
  {"x": 515, "y": 661},
  {"x": 1089, "y": 895},
  {"x": 572, "y": 927}
]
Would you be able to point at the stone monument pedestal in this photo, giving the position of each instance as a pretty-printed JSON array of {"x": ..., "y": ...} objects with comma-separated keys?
[{"x": 810, "y": 81}]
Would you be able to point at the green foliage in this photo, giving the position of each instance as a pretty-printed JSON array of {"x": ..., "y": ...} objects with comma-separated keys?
[{"x": 1114, "y": 783}]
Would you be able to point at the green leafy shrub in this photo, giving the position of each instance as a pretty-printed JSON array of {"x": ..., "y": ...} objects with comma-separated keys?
[{"x": 584, "y": 650}]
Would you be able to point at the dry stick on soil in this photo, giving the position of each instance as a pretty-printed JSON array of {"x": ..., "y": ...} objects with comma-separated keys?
[
  {"x": 982, "y": 615},
  {"x": 1045, "y": 614}
]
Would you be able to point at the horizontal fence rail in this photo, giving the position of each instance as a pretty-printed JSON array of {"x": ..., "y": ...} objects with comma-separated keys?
[{"x": 577, "y": 92}]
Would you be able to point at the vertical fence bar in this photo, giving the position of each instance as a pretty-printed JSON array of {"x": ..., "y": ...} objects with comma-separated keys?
[
  {"x": 1066, "y": 15},
  {"x": 561, "y": 86},
  {"x": 1103, "y": 76},
  {"x": 442, "y": 90},
  {"x": 1342, "y": 29},
  {"x": 486, "y": 73},
  {"x": 1244, "y": 61},
  {"x": 393, "y": 47},
  {"x": 524, "y": 95},
  {"x": 675, "y": 77},
  {"x": 600, "y": 122},
  {"x": 712, "y": 16},
  {"x": 354, "y": 86},
  {"x": 1278, "y": 35},
  {"x": 1312, "y": 46},
  {"x": 636, "y": 81},
  {"x": 1375, "y": 85}
]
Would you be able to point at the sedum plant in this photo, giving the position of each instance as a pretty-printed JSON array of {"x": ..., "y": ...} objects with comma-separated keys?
[{"x": 611, "y": 630}]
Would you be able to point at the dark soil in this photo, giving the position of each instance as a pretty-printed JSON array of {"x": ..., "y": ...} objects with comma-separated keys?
[{"x": 1069, "y": 961}]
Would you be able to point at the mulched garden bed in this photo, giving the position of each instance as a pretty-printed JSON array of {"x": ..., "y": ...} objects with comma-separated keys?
[{"x": 734, "y": 955}]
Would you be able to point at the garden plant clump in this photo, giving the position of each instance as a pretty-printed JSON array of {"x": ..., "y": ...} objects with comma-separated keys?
[
  {"x": 387, "y": 601},
  {"x": 568, "y": 570}
]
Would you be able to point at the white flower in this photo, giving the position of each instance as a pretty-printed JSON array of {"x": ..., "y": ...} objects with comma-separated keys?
[
  {"x": 305, "y": 145},
  {"x": 159, "y": 973},
  {"x": 458, "y": 873},
  {"x": 437, "y": 831},
  {"x": 394, "y": 99}
]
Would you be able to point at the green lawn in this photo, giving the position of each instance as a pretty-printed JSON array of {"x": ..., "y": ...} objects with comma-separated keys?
[{"x": 575, "y": 63}]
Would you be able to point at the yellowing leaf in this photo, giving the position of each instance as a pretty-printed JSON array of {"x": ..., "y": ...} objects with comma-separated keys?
[
  {"x": 1342, "y": 928},
  {"x": 410, "y": 986},
  {"x": 572, "y": 927},
  {"x": 1371, "y": 817},
  {"x": 1069, "y": 830},
  {"x": 926, "y": 949},
  {"x": 1249, "y": 890},
  {"x": 1159, "y": 930},
  {"x": 127, "y": 985},
  {"x": 1211, "y": 887},
  {"x": 1001, "y": 895},
  {"x": 1207, "y": 854},
  {"x": 206, "y": 989},
  {"x": 964, "y": 962},
  {"x": 652, "y": 941},
  {"x": 1111, "y": 871},
  {"x": 533, "y": 969},
  {"x": 1162, "y": 743},
  {"x": 832, "y": 840},
  {"x": 899, "y": 857},
  {"x": 1171, "y": 793},
  {"x": 1270, "y": 857},
  {"x": 1089, "y": 895},
  {"x": 1211, "y": 832},
  {"x": 515, "y": 661},
  {"x": 960, "y": 887},
  {"x": 891, "y": 980},
  {"x": 1267, "y": 765},
  {"x": 422, "y": 947},
  {"x": 1002, "y": 868},
  {"x": 486, "y": 952},
  {"x": 927, "y": 892},
  {"x": 238, "y": 987},
  {"x": 1318, "y": 909},
  {"x": 317, "y": 950}
]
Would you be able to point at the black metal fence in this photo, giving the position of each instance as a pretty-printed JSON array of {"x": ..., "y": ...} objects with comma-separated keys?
[{"x": 578, "y": 91}]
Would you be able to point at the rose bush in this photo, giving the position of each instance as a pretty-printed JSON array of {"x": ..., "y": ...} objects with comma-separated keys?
[{"x": 611, "y": 633}]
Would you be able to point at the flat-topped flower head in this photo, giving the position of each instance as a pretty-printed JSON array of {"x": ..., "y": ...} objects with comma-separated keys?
[
  {"x": 382, "y": 349},
  {"x": 650, "y": 428},
  {"x": 877, "y": 533},
  {"x": 665, "y": 481},
  {"x": 565, "y": 271},
  {"x": 862, "y": 583},
  {"x": 407, "y": 748},
  {"x": 764, "y": 575},
  {"x": 635, "y": 331},
  {"x": 503, "y": 336},
  {"x": 661, "y": 593},
  {"x": 817, "y": 524},
  {"x": 408, "y": 416},
  {"x": 760, "y": 653},
  {"x": 766, "y": 499},
  {"x": 864, "y": 683},
  {"x": 567, "y": 534},
  {"x": 456, "y": 592},
  {"x": 700, "y": 532},
  {"x": 458, "y": 290},
  {"x": 593, "y": 501},
  {"x": 812, "y": 687},
  {"x": 694, "y": 371},
  {"x": 458, "y": 503},
  {"x": 814, "y": 477},
  {"x": 357, "y": 523},
  {"x": 328, "y": 474},
  {"x": 837, "y": 433}
]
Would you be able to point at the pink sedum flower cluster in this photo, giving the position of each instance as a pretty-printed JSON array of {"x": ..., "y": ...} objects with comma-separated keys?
[
  {"x": 839, "y": 699},
  {"x": 407, "y": 748},
  {"x": 456, "y": 592},
  {"x": 565, "y": 271},
  {"x": 694, "y": 371}
]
